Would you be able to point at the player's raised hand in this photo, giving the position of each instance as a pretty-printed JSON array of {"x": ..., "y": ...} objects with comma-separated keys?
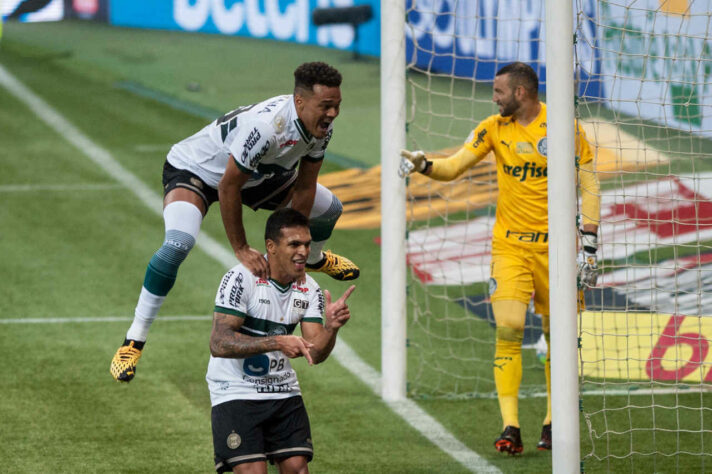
[
  {"x": 337, "y": 313},
  {"x": 254, "y": 261},
  {"x": 295, "y": 346},
  {"x": 411, "y": 161}
]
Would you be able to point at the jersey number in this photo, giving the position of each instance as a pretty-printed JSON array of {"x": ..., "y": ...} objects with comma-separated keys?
[{"x": 229, "y": 121}]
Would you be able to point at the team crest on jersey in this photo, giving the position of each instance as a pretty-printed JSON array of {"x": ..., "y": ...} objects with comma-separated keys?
[
  {"x": 541, "y": 146},
  {"x": 277, "y": 331},
  {"x": 233, "y": 440}
]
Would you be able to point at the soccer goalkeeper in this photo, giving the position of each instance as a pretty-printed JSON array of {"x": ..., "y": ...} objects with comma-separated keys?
[{"x": 520, "y": 258}]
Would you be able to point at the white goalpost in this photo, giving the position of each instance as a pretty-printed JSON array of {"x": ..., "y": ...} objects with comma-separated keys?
[
  {"x": 632, "y": 372},
  {"x": 393, "y": 301},
  {"x": 562, "y": 236}
]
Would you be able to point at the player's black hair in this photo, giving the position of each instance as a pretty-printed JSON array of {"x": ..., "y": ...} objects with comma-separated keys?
[
  {"x": 521, "y": 74},
  {"x": 281, "y": 219},
  {"x": 309, "y": 74}
]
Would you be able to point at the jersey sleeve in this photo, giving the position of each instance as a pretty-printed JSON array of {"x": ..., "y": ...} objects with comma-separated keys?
[
  {"x": 252, "y": 143},
  {"x": 480, "y": 140},
  {"x": 232, "y": 294},
  {"x": 315, "y": 312},
  {"x": 583, "y": 148}
]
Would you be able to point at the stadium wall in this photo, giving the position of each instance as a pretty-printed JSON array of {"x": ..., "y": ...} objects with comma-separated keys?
[{"x": 473, "y": 39}]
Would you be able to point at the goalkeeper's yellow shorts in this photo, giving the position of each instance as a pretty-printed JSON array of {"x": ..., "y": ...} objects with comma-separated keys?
[{"x": 517, "y": 273}]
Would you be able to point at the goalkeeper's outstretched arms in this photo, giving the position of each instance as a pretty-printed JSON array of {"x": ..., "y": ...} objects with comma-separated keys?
[{"x": 445, "y": 169}]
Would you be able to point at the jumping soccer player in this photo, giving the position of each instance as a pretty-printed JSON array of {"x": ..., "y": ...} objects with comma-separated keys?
[
  {"x": 520, "y": 248},
  {"x": 248, "y": 156}
]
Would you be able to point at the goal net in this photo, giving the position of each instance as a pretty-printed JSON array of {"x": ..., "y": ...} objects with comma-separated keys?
[{"x": 644, "y": 98}]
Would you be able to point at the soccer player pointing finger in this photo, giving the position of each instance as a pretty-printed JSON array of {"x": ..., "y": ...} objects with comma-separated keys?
[
  {"x": 520, "y": 243},
  {"x": 257, "y": 410},
  {"x": 264, "y": 156}
]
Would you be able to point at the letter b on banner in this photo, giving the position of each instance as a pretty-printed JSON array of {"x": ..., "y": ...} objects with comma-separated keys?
[{"x": 669, "y": 341}]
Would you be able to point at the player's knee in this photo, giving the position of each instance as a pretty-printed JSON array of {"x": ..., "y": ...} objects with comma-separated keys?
[
  {"x": 321, "y": 226},
  {"x": 176, "y": 247},
  {"x": 163, "y": 267},
  {"x": 510, "y": 334}
]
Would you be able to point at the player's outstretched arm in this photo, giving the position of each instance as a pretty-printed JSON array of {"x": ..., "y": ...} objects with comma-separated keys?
[
  {"x": 229, "y": 190},
  {"x": 323, "y": 338},
  {"x": 227, "y": 342},
  {"x": 445, "y": 169}
]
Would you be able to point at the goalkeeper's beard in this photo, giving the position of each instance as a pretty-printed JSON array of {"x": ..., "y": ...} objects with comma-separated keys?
[{"x": 509, "y": 108}]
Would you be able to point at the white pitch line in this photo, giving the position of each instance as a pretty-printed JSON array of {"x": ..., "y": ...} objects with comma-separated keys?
[
  {"x": 408, "y": 410},
  {"x": 19, "y": 188}
]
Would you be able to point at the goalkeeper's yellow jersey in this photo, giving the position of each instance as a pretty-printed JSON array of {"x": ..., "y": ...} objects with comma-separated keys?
[{"x": 522, "y": 216}]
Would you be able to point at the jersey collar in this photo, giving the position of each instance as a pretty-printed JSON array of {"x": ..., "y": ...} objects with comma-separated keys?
[{"x": 279, "y": 287}]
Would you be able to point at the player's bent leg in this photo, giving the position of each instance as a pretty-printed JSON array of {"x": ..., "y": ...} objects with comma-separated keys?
[
  {"x": 182, "y": 222},
  {"x": 322, "y": 219}
]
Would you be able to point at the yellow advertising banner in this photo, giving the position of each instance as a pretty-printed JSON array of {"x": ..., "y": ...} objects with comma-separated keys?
[{"x": 646, "y": 346}]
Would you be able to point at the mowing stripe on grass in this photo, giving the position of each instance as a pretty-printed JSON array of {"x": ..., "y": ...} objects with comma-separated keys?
[
  {"x": 408, "y": 410},
  {"x": 98, "y": 319},
  {"x": 20, "y": 188}
]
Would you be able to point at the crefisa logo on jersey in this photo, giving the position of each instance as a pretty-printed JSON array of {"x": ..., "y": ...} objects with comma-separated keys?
[{"x": 541, "y": 146}]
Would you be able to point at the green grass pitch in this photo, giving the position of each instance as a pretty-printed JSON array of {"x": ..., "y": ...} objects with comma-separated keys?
[{"x": 74, "y": 244}]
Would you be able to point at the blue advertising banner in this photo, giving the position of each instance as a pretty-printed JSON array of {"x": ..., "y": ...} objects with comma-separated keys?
[
  {"x": 285, "y": 20},
  {"x": 477, "y": 37}
]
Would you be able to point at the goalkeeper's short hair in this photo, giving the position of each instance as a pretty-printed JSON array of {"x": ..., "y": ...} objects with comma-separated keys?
[{"x": 521, "y": 74}]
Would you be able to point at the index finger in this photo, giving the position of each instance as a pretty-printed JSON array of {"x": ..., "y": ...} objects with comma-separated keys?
[
  {"x": 406, "y": 154},
  {"x": 305, "y": 352},
  {"x": 347, "y": 293}
]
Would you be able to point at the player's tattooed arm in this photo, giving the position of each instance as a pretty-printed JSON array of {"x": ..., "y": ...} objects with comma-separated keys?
[{"x": 227, "y": 342}]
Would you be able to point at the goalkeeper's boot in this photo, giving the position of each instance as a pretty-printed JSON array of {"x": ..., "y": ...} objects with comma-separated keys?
[
  {"x": 510, "y": 441},
  {"x": 123, "y": 365},
  {"x": 336, "y": 266},
  {"x": 544, "y": 443}
]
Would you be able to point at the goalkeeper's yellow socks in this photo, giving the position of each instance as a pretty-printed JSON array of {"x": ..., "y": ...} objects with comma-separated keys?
[{"x": 508, "y": 373}]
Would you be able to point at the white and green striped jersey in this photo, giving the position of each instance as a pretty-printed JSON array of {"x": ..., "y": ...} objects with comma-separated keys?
[
  {"x": 265, "y": 139},
  {"x": 267, "y": 309}
]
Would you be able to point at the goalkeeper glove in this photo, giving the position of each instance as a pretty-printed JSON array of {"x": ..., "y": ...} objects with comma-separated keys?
[
  {"x": 412, "y": 161},
  {"x": 587, "y": 262}
]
